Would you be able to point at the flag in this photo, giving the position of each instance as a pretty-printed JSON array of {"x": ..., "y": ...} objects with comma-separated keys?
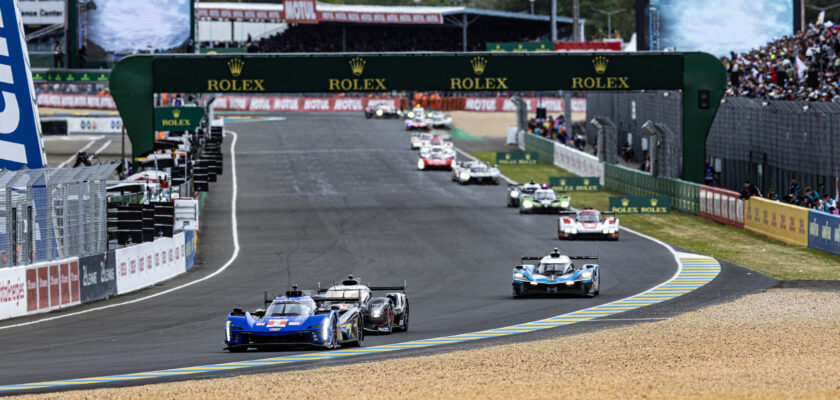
[
  {"x": 800, "y": 68},
  {"x": 821, "y": 17}
]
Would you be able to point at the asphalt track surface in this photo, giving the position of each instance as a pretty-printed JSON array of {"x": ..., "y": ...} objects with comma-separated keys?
[{"x": 322, "y": 196}]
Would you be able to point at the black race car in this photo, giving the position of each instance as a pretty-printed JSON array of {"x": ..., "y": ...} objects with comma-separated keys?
[
  {"x": 380, "y": 314},
  {"x": 382, "y": 111}
]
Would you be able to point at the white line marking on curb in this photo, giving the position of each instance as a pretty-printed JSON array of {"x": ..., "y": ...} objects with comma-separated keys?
[{"x": 230, "y": 261}]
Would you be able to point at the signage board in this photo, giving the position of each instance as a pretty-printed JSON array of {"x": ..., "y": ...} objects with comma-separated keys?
[
  {"x": 517, "y": 158},
  {"x": 640, "y": 205},
  {"x": 575, "y": 183},
  {"x": 178, "y": 118}
]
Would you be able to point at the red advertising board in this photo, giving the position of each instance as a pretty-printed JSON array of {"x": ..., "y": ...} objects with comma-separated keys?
[
  {"x": 588, "y": 46},
  {"x": 300, "y": 11},
  {"x": 65, "y": 283},
  {"x": 43, "y": 288},
  {"x": 52, "y": 286},
  {"x": 308, "y": 104},
  {"x": 552, "y": 105},
  {"x": 721, "y": 205},
  {"x": 31, "y": 289},
  {"x": 55, "y": 287},
  {"x": 60, "y": 100},
  {"x": 74, "y": 281}
]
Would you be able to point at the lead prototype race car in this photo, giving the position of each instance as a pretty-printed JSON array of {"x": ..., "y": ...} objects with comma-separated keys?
[
  {"x": 436, "y": 157},
  {"x": 296, "y": 320},
  {"x": 587, "y": 223},
  {"x": 466, "y": 172},
  {"x": 556, "y": 274},
  {"x": 515, "y": 193},
  {"x": 543, "y": 201},
  {"x": 384, "y": 314}
]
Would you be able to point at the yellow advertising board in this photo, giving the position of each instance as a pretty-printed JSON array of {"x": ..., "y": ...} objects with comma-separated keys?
[{"x": 777, "y": 220}]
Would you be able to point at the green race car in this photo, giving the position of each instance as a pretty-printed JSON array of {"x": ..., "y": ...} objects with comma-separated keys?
[{"x": 544, "y": 201}]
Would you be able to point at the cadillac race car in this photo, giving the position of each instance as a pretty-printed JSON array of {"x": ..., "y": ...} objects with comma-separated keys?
[
  {"x": 515, "y": 193},
  {"x": 295, "y": 320},
  {"x": 382, "y": 111},
  {"x": 587, "y": 223},
  {"x": 380, "y": 314},
  {"x": 436, "y": 157},
  {"x": 543, "y": 201},
  {"x": 466, "y": 172},
  {"x": 440, "y": 120},
  {"x": 556, "y": 273}
]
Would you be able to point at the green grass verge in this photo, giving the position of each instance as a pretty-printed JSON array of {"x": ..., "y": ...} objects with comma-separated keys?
[{"x": 698, "y": 234}]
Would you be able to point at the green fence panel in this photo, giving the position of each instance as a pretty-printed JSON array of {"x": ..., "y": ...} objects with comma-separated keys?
[
  {"x": 541, "y": 145},
  {"x": 684, "y": 195}
]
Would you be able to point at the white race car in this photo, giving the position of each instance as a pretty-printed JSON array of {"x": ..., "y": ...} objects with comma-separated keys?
[
  {"x": 465, "y": 172},
  {"x": 419, "y": 140},
  {"x": 587, "y": 223},
  {"x": 440, "y": 120},
  {"x": 436, "y": 157}
]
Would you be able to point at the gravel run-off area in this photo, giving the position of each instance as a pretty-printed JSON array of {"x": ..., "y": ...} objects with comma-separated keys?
[{"x": 779, "y": 344}]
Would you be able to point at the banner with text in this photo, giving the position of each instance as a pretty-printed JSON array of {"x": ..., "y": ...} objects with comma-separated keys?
[
  {"x": 720, "y": 205},
  {"x": 148, "y": 263},
  {"x": 91, "y": 101},
  {"x": 517, "y": 158},
  {"x": 552, "y": 105},
  {"x": 824, "y": 231},
  {"x": 520, "y": 46},
  {"x": 52, "y": 285},
  {"x": 575, "y": 183},
  {"x": 640, "y": 205},
  {"x": 777, "y": 220},
  {"x": 178, "y": 118},
  {"x": 311, "y": 104},
  {"x": 12, "y": 292},
  {"x": 98, "y": 276},
  {"x": 577, "y": 162}
]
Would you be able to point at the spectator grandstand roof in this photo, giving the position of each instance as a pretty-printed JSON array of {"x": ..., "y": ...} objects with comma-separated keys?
[{"x": 366, "y": 14}]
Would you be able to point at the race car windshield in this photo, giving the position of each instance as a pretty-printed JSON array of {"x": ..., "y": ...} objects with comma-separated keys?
[
  {"x": 589, "y": 217},
  {"x": 545, "y": 195},
  {"x": 553, "y": 268},
  {"x": 530, "y": 189},
  {"x": 478, "y": 168},
  {"x": 352, "y": 295},
  {"x": 288, "y": 309}
]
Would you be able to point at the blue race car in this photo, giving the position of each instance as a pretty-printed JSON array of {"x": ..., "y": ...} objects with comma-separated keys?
[
  {"x": 556, "y": 273},
  {"x": 296, "y": 320}
]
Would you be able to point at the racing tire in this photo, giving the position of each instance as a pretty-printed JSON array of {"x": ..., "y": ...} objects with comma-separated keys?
[
  {"x": 390, "y": 320},
  {"x": 495, "y": 181},
  {"x": 404, "y": 327},
  {"x": 597, "y": 284},
  {"x": 359, "y": 333},
  {"x": 589, "y": 291},
  {"x": 517, "y": 291},
  {"x": 336, "y": 333},
  {"x": 238, "y": 349}
]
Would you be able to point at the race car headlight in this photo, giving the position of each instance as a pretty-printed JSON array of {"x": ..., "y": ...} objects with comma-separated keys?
[
  {"x": 527, "y": 204},
  {"x": 586, "y": 275},
  {"x": 379, "y": 113},
  {"x": 465, "y": 176},
  {"x": 227, "y": 331},
  {"x": 514, "y": 194},
  {"x": 564, "y": 204},
  {"x": 411, "y": 114},
  {"x": 376, "y": 313},
  {"x": 519, "y": 275}
]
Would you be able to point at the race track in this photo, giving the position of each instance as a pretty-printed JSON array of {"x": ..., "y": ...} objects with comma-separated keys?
[{"x": 321, "y": 196}]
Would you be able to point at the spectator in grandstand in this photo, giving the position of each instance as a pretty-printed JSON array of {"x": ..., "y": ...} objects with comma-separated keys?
[
  {"x": 812, "y": 198},
  {"x": 750, "y": 190},
  {"x": 58, "y": 55},
  {"x": 827, "y": 204},
  {"x": 794, "y": 188},
  {"x": 645, "y": 166},
  {"x": 772, "y": 195},
  {"x": 709, "y": 174}
]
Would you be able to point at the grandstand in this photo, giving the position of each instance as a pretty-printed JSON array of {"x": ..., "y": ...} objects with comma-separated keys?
[{"x": 343, "y": 27}]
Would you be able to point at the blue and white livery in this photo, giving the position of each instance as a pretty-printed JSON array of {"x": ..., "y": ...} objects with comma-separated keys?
[{"x": 556, "y": 273}]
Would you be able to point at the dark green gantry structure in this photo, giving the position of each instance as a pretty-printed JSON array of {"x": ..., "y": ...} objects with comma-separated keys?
[{"x": 700, "y": 76}]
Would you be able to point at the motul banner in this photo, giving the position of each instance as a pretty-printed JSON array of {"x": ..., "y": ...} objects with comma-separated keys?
[
  {"x": 588, "y": 46},
  {"x": 551, "y": 104},
  {"x": 300, "y": 11},
  {"x": 76, "y": 101},
  {"x": 309, "y": 104},
  {"x": 382, "y": 17}
]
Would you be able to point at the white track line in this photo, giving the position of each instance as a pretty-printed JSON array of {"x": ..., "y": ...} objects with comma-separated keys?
[
  {"x": 230, "y": 261},
  {"x": 103, "y": 147},
  {"x": 85, "y": 147}
]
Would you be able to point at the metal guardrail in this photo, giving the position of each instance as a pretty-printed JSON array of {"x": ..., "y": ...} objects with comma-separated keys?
[
  {"x": 684, "y": 195},
  {"x": 541, "y": 145}
]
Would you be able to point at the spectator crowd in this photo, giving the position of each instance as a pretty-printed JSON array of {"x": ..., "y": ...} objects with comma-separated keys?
[
  {"x": 796, "y": 195},
  {"x": 804, "y": 66}
]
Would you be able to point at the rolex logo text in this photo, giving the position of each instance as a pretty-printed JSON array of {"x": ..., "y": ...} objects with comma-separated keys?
[
  {"x": 600, "y": 64},
  {"x": 235, "y": 67},
  {"x": 479, "y": 65},
  {"x": 357, "y": 68}
]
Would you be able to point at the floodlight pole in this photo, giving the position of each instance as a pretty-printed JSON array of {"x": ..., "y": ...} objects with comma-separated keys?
[
  {"x": 553, "y": 19},
  {"x": 576, "y": 36}
]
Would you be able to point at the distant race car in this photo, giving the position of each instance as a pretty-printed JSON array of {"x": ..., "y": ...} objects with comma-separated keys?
[
  {"x": 439, "y": 139},
  {"x": 515, "y": 193},
  {"x": 295, "y": 320},
  {"x": 543, "y": 201},
  {"x": 417, "y": 112},
  {"x": 385, "y": 314},
  {"x": 420, "y": 139},
  {"x": 382, "y": 111},
  {"x": 436, "y": 157},
  {"x": 587, "y": 223},
  {"x": 440, "y": 120},
  {"x": 556, "y": 273},
  {"x": 419, "y": 122},
  {"x": 466, "y": 172}
]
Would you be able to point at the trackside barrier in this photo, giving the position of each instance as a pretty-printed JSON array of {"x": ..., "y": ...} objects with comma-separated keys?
[
  {"x": 722, "y": 206},
  {"x": 39, "y": 288},
  {"x": 684, "y": 195},
  {"x": 577, "y": 162},
  {"x": 148, "y": 263},
  {"x": 541, "y": 145},
  {"x": 777, "y": 220},
  {"x": 308, "y": 104},
  {"x": 824, "y": 231}
]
